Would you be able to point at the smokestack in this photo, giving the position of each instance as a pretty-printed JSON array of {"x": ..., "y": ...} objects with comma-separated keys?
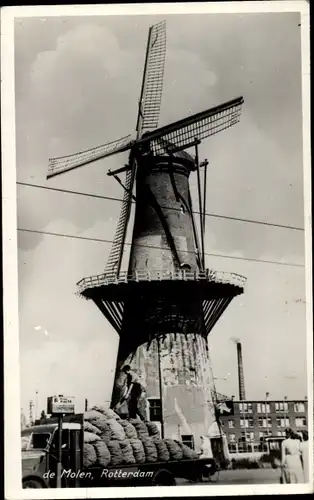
[{"x": 240, "y": 372}]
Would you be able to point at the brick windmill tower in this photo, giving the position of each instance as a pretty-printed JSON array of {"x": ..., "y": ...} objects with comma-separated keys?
[{"x": 165, "y": 303}]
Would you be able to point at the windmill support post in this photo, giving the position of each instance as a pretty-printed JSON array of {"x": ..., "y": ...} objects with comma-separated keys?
[
  {"x": 205, "y": 163},
  {"x": 197, "y": 142},
  {"x": 121, "y": 184},
  {"x": 162, "y": 423}
]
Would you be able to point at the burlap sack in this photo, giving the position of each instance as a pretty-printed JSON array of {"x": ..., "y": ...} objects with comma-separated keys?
[
  {"x": 107, "y": 412},
  {"x": 102, "y": 453},
  {"x": 162, "y": 450},
  {"x": 90, "y": 437},
  {"x": 105, "y": 433},
  {"x": 129, "y": 429},
  {"x": 89, "y": 427},
  {"x": 188, "y": 453},
  {"x": 138, "y": 451},
  {"x": 92, "y": 415},
  {"x": 117, "y": 431},
  {"x": 122, "y": 410},
  {"x": 101, "y": 423},
  {"x": 127, "y": 451},
  {"x": 89, "y": 455},
  {"x": 115, "y": 452},
  {"x": 140, "y": 427},
  {"x": 150, "y": 449},
  {"x": 152, "y": 429},
  {"x": 174, "y": 449},
  {"x": 97, "y": 419}
]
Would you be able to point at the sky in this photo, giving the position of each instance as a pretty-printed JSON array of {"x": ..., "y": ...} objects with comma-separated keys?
[{"x": 77, "y": 84}]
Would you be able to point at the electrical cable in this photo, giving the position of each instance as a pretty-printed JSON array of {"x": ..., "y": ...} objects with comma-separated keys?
[
  {"x": 207, "y": 214},
  {"x": 99, "y": 240}
]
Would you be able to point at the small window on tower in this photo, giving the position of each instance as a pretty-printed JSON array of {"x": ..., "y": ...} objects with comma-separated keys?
[
  {"x": 188, "y": 440},
  {"x": 154, "y": 410}
]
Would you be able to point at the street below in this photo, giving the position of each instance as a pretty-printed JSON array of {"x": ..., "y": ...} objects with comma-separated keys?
[{"x": 241, "y": 476}]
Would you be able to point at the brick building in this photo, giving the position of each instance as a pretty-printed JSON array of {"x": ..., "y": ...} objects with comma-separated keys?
[{"x": 254, "y": 420}]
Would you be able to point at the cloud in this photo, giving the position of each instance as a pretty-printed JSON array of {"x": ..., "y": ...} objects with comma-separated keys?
[{"x": 71, "y": 368}]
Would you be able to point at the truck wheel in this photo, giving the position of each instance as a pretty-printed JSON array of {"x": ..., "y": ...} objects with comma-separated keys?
[
  {"x": 163, "y": 477},
  {"x": 32, "y": 483}
]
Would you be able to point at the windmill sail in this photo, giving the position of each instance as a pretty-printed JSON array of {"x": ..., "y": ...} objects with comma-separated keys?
[
  {"x": 116, "y": 252},
  {"x": 148, "y": 116},
  {"x": 151, "y": 93},
  {"x": 183, "y": 133},
  {"x": 65, "y": 163}
]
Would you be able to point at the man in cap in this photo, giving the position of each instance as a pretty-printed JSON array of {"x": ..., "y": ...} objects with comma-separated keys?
[{"x": 132, "y": 392}]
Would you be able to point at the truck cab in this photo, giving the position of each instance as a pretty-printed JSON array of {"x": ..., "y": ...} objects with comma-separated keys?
[{"x": 39, "y": 446}]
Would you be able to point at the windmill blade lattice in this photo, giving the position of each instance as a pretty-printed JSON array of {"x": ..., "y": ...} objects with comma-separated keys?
[
  {"x": 152, "y": 84},
  {"x": 183, "y": 133},
  {"x": 115, "y": 256},
  {"x": 148, "y": 116},
  {"x": 63, "y": 164}
]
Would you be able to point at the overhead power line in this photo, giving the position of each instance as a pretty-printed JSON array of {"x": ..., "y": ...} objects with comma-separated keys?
[
  {"x": 111, "y": 198},
  {"x": 100, "y": 240}
]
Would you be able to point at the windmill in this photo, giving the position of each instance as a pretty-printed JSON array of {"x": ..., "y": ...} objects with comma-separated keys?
[{"x": 166, "y": 303}]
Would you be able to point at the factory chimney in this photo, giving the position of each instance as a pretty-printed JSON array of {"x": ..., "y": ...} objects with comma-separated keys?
[{"x": 240, "y": 372}]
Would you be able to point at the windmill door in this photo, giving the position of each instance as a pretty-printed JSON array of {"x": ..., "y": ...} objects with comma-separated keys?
[{"x": 217, "y": 449}]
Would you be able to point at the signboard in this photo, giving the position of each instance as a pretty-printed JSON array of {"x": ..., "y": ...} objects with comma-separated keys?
[{"x": 60, "y": 405}]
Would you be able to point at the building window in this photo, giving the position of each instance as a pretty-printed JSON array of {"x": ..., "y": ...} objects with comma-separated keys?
[
  {"x": 263, "y": 408},
  {"x": 264, "y": 422},
  {"x": 281, "y": 406},
  {"x": 246, "y": 422},
  {"x": 245, "y": 407},
  {"x": 300, "y": 422},
  {"x": 232, "y": 447},
  {"x": 282, "y": 422},
  {"x": 281, "y": 433},
  {"x": 232, "y": 438},
  {"x": 188, "y": 440},
  {"x": 231, "y": 424},
  {"x": 244, "y": 437},
  {"x": 245, "y": 447},
  {"x": 247, "y": 436},
  {"x": 299, "y": 407},
  {"x": 154, "y": 410},
  {"x": 252, "y": 437}
]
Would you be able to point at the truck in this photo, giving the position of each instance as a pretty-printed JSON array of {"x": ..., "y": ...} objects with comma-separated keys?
[{"x": 39, "y": 462}]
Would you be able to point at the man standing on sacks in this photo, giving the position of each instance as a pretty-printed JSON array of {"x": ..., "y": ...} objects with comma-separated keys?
[{"x": 132, "y": 393}]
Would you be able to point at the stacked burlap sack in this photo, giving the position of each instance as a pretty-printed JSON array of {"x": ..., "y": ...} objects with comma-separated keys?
[{"x": 110, "y": 440}]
